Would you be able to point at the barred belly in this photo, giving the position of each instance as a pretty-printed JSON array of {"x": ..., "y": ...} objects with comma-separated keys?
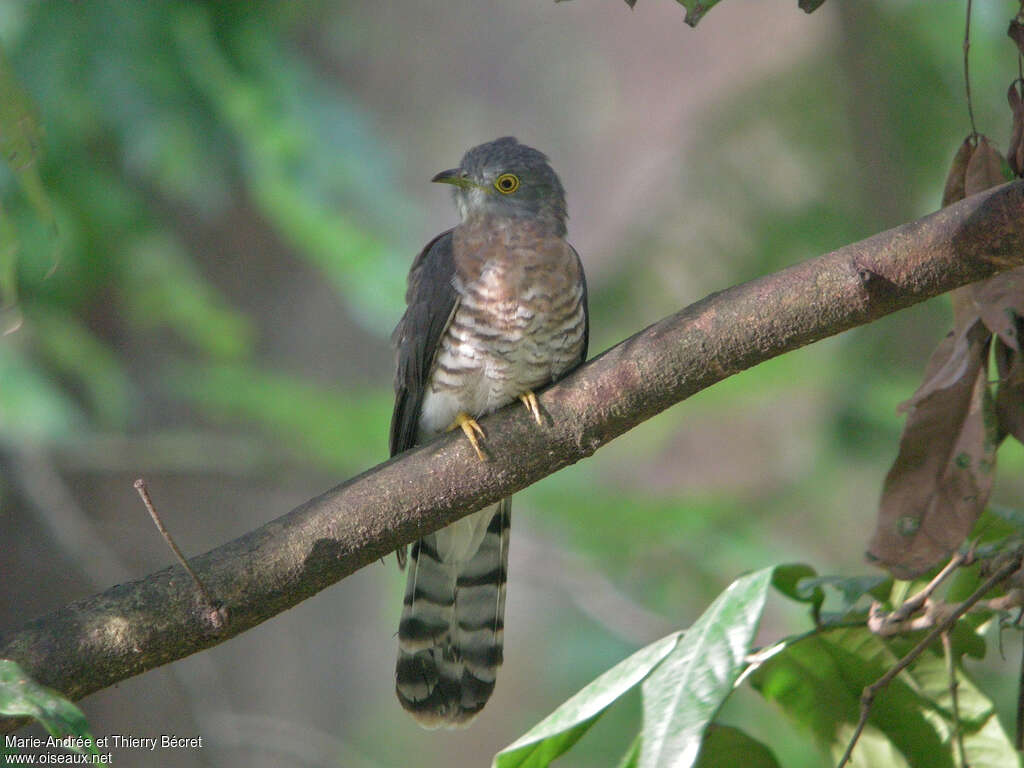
[{"x": 493, "y": 352}]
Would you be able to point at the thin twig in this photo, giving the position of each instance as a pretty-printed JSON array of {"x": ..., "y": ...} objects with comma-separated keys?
[
  {"x": 935, "y": 612},
  {"x": 217, "y": 613},
  {"x": 958, "y": 734},
  {"x": 900, "y": 621},
  {"x": 967, "y": 72},
  {"x": 915, "y": 603},
  {"x": 868, "y": 697},
  {"x": 1014, "y": 598}
]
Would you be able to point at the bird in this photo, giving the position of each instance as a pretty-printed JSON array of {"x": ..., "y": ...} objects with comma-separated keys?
[{"x": 496, "y": 309}]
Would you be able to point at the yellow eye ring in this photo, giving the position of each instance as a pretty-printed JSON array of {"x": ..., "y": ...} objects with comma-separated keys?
[{"x": 507, "y": 183}]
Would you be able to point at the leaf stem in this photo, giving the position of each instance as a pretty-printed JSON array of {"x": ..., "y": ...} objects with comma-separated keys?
[
  {"x": 967, "y": 73},
  {"x": 958, "y": 733}
]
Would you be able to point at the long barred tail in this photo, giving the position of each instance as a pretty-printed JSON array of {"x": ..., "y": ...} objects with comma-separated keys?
[{"x": 452, "y": 629}]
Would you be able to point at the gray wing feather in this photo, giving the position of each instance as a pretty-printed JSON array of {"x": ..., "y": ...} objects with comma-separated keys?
[
  {"x": 586, "y": 310},
  {"x": 430, "y": 298}
]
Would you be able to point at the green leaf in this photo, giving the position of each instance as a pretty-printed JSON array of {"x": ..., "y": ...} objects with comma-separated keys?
[
  {"x": 686, "y": 690},
  {"x": 629, "y": 759},
  {"x": 21, "y": 696},
  {"x": 985, "y": 742},
  {"x": 695, "y": 9},
  {"x": 788, "y": 579},
  {"x": 873, "y": 748},
  {"x": 818, "y": 682},
  {"x": 850, "y": 590},
  {"x": 556, "y": 733},
  {"x": 725, "y": 746}
]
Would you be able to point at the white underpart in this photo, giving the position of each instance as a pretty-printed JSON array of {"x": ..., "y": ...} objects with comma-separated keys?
[{"x": 459, "y": 541}]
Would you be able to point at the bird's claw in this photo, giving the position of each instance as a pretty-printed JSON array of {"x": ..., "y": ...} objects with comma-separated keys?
[
  {"x": 530, "y": 401},
  {"x": 471, "y": 429}
]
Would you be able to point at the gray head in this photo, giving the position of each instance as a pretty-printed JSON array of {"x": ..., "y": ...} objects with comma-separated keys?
[{"x": 506, "y": 178}]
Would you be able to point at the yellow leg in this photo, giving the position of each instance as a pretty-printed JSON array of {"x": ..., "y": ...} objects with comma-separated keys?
[
  {"x": 530, "y": 401},
  {"x": 471, "y": 429}
]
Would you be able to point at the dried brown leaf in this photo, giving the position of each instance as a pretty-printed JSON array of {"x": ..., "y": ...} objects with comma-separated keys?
[
  {"x": 965, "y": 310},
  {"x": 1016, "y": 33},
  {"x": 949, "y": 362},
  {"x": 985, "y": 169},
  {"x": 942, "y": 477},
  {"x": 1015, "y": 152},
  {"x": 999, "y": 302},
  {"x": 1010, "y": 395},
  {"x": 957, "y": 174}
]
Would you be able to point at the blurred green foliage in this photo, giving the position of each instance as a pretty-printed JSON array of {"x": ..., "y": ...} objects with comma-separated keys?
[{"x": 142, "y": 123}]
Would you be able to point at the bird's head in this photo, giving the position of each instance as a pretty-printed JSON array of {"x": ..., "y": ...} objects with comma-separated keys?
[{"x": 506, "y": 178}]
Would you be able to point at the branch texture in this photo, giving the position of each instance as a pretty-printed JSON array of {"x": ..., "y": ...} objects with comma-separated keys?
[{"x": 130, "y": 628}]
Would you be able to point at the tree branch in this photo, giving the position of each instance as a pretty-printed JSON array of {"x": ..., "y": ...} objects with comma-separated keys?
[{"x": 130, "y": 628}]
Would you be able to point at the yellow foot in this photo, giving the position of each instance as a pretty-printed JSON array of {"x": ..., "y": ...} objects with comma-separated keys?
[
  {"x": 530, "y": 401},
  {"x": 471, "y": 430}
]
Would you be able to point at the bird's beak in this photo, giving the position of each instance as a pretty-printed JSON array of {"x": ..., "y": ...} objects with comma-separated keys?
[{"x": 451, "y": 176}]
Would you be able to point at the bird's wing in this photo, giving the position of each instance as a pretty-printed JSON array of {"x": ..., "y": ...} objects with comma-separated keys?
[
  {"x": 586, "y": 309},
  {"x": 430, "y": 299}
]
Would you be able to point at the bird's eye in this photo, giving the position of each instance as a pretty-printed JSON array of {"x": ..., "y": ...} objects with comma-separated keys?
[{"x": 507, "y": 183}]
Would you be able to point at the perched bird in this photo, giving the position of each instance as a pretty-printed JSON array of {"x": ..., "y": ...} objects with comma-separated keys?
[{"x": 496, "y": 309}]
